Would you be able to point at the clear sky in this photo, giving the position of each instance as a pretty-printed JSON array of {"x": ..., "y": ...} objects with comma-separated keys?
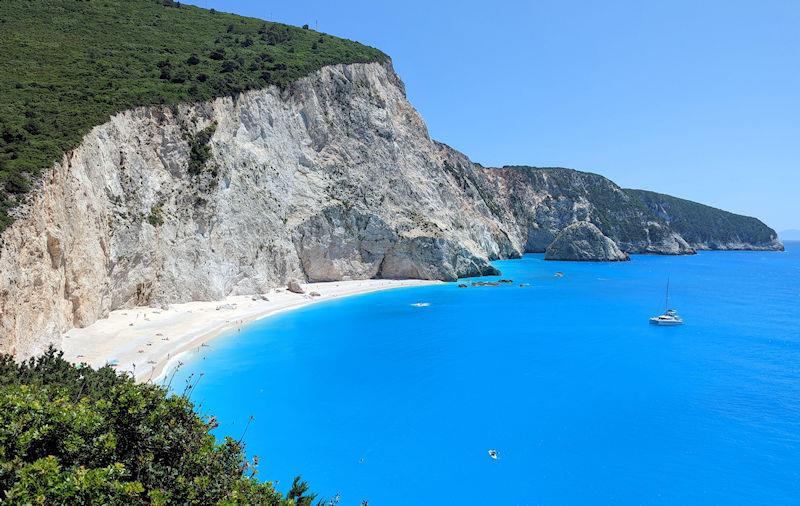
[{"x": 699, "y": 99}]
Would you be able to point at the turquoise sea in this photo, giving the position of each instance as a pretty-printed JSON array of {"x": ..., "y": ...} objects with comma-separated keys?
[{"x": 585, "y": 402}]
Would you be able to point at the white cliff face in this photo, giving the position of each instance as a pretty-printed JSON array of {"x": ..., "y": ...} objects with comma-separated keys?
[{"x": 333, "y": 179}]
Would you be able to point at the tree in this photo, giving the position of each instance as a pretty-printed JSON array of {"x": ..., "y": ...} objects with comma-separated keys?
[{"x": 298, "y": 491}]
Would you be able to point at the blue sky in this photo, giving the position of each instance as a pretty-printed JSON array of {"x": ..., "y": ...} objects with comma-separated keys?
[{"x": 699, "y": 99}]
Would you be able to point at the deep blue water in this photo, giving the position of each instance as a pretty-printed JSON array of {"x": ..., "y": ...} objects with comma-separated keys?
[{"x": 584, "y": 400}]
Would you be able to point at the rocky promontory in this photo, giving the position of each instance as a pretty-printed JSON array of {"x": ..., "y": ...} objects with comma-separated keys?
[{"x": 583, "y": 241}]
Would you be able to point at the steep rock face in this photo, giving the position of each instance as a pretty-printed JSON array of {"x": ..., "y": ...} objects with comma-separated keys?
[
  {"x": 583, "y": 241},
  {"x": 705, "y": 227},
  {"x": 542, "y": 201},
  {"x": 335, "y": 178}
]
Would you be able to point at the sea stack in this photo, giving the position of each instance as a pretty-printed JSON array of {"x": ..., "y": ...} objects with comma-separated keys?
[{"x": 583, "y": 241}]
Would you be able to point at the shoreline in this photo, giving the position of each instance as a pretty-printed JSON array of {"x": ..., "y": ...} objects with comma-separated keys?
[{"x": 146, "y": 341}]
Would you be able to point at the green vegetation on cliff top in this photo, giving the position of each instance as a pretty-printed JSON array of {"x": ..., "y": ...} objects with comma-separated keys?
[
  {"x": 702, "y": 224},
  {"x": 621, "y": 211},
  {"x": 68, "y": 65},
  {"x": 74, "y": 435}
]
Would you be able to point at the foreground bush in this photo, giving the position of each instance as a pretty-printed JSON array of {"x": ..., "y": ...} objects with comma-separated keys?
[{"x": 74, "y": 435}]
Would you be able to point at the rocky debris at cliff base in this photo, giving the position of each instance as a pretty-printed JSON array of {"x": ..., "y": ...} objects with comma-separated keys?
[
  {"x": 294, "y": 287},
  {"x": 583, "y": 241}
]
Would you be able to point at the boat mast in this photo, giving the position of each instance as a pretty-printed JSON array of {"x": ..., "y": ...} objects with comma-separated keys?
[{"x": 666, "y": 300}]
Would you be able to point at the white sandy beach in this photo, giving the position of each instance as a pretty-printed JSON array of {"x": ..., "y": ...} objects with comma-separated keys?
[{"x": 145, "y": 340}]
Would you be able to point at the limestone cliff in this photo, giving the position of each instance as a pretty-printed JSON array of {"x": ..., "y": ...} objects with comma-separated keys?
[
  {"x": 582, "y": 241},
  {"x": 333, "y": 178},
  {"x": 543, "y": 201},
  {"x": 705, "y": 227}
]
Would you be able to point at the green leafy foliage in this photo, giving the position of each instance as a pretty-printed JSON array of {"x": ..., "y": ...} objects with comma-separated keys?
[
  {"x": 68, "y": 65},
  {"x": 74, "y": 435},
  {"x": 156, "y": 216},
  {"x": 200, "y": 151}
]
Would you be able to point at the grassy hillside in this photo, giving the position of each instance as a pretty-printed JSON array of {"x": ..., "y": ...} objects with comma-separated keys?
[
  {"x": 67, "y": 65},
  {"x": 699, "y": 223}
]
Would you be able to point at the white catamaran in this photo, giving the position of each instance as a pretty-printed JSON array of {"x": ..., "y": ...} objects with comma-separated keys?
[{"x": 670, "y": 316}]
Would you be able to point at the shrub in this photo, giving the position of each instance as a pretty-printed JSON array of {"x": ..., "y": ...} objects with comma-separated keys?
[
  {"x": 17, "y": 183},
  {"x": 75, "y": 435},
  {"x": 156, "y": 217},
  {"x": 229, "y": 66},
  {"x": 179, "y": 75},
  {"x": 200, "y": 152},
  {"x": 217, "y": 54}
]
